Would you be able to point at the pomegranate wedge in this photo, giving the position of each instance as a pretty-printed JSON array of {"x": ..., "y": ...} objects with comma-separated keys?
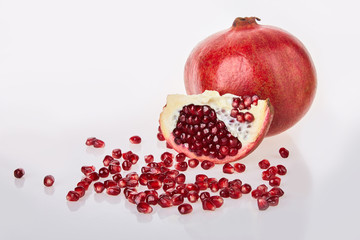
[{"x": 216, "y": 128}]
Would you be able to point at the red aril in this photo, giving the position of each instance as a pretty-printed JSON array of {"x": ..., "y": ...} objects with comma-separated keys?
[
  {"x": 193, "y": 163},
  {"x": 80, "y": 191},
  {"x": 144, "y": 207},
  {"x": 149, "y": 158},
  {"x": 104, "y": 172},
  {"x": 49, "y": 180},
  {"x": 239, "y": 167},
  {"x": 19, "y": 173},
  {"x": 264, "y": 164},
  {"x": 99, "y": 187},
  {"x": 98, "y": 143},
  {"x": 207, "y": 204},
  {"x": 262, "y": 203},
  {"x": 116, "y": 153},
  {"x": 248, "y": 59},
  {"x": 90, "y": 141},
  {"x": 114, "y": 191},
  {"x": 281, "y": 170},
  {"x": 228, "y": 168},
  {"x": 135, "y": 139},
  {"x": 72, "y": 196},
  {"x": 200, "y": 126},
  {"x": 245, "y": 188},
  {"x": 274, "y": 181},
  {"x": 284, "y": 153},
  {"x": 206, "y": 165},
  {"x": 86, "y": 170},
  {"x": 217, "y": 200},
  {"x": 185, "y": 208},
  {"x": 181, "y": 166}
]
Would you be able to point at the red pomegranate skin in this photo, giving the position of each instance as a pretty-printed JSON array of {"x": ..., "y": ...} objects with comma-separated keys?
[{"x": 252, "y": 59}]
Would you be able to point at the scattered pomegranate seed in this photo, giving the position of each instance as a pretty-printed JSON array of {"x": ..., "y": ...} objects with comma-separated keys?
[
  {"x": 245, "y": 188},
  {"x": 144, "y": 207},
  {"x": 234, "y": 193},
  {"x": 99, "y": 143},
  {"x": 203, "y": 185},
  {"x": 165, "y": 201},
  {"x": 264, "y": 164},
  {"x": 276, "y": 191},
  {"x": 281, "y": 169},
  {"x": 104, "y": 172},
  {"x": 135, "y": 140},
  {"x": 239, "y": 167},
  {"x": 140, "y": 197},
  {"x": 284, "y": 153},
  {"x": 110, "y": 183},
  {"x": 126, "y": 165},
  {"x": 107, "y": 160},
  {"x": 181, "y": 166},
  {"x": 224, "y": 192},
  {"x": 80, "y": 191},
  {"x": 180, "y": 157},
  {"x": 19, "y": 173},
  {"x": 86, "y": 170},
  {"x": 90, "y": 141},
  {"x": 265, "y": 175},
  {"x": 83, "y": 184},
  {"x": 272, "y": 170},
  {"x": 149, "y": 158},
  {"x": 72, "y": 196},
  {"x": 263, "y": 188},
  {"x": 274, "y": 181},
  {"x": 114, "y": 191},
  {"x": 151, "y": 199},
  {"x": 228, "y": 168},
  {"x": 273, "y": 201},
  {"x": 204, "y": 195},
  {"x": 179, "y": 179},
  {"x": 206, "y": 165},
  {"x": 154, "y": 184},
  {"x": 217, "y": 200},
  {"x": 185, "y": 208},
  {"x": 201, "y": 177},
  {"x": 127, "y": 155},
  {"x": 99, "y": 187},
  {"x": 49, "y": 180},
  {"x": 116, "y": 153},
  {"x": 262, "y": 204},
  {"x": 165, "y": 155},
  {"x": 94, "y": 176},
  {"x": 160, "y": 136},
  {"x": 214, "y": 187},
  {"x": 177, "y": 199},
  {"x": 193, "y": 196},
  {"x": 207, "y": 204},
  {"x": 193, "y": 163}
]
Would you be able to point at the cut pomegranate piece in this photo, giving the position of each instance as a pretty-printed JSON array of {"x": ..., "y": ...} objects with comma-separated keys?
[
  {"x": 284, "y": 153},
  {"x": 200, "y": 126},
  {"x": 49, "y": 180},
  {"x": 19, "y": 173},
  {"x": 135, "y": 139},
  {"x": 185, "y": 208}
]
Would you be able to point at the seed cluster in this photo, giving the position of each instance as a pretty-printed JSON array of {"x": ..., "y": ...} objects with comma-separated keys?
[
  {"x": 241, "y": 104},
  {"x": 199, "y": 130}
]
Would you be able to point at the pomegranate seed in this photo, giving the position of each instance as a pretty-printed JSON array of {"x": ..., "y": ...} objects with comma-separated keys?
[
  {"x": 193, "y": 196},
  {"x": 177, "y": 199},
  {"x": 262, "y": 204},
  {"x": 135, "y": 140},
  {"x": 107, "y": 160},
  {"x": 168, "y": 162},
  {"x": 131, "y": 197},
  {"x": 126, "y": 165},
  {"x": 99, "y": 187},
  {"x": 228, "y": 168},
  {"x": 140, "y": 197},
  {"x": 181, "y": 166},
  {"x": 192, "y": 187},
  {"x": 113, "y": 191},
  {"x": 274, "y": 181},
  {"x": 90, "y": 141},
  {"x": 281, "y": 170},
  {"x": 236, "y": 102},
  {"x": 179, "y": 179},
  {"x": 207, "y": 204},
  {"x": 19, "y": 173},
  {"x": 113, "y": 168},
  {"x": 86, "y": 170},
  {"x": 201, "y": 177},
  {"x": 272, "y": 170},
  {"x": 49, "y": 180},
  {"x": 151, "y": 199},
  {"x": 80, "y": 191},
  {"x": 127, "y": 155},
  {"x": 116, "y": 153},
  {"x": 94, "y": 176},
  {"x": 206, "y": 164},
  {"x": 144, "y": 207},
  {"x": 149, "y": 158},
  {"x": 83, "y": 184},
  {"x": 180, "y": 157},
  {"x": 72, "y": 196},
  {"x": 204, "y": 195},
  {"x": 264, "y": 164},
  {"x": 165, "y": 155},
  {"x": 265, "y": 175},
  {"x": 110, "y": 183},
  {"x": 234, "y": 193},
  {"x": 214, "y": 187},
  {"x": 129, "y": 190},
  {"x": 263, "y": 188},
  {"x": 224, "y": 192},
  {"x": 154, "y": 184},
  {"x": 245, "y": 189},
  {"x": 236, "y": 183},
  {"x": 276, "y": 192},
  {"x": 284, "y": 153},
  {"x": 172, "y": 173},
  {"x": 99, "y": 143},
  {"x": 168, "y": 146},
  {"x": 164, "y": 201},
  {"x": 249, "y": 117},
  {"x": 193, "y": 163},
  {"x": 273, "y": 201},
  {"x": 223, "y": 182},
  {"x": 132, "y": 183},
  {"x": 116, "y": 177},
  {"x": 185, "y": 208},
  {"x": 160, "y": 136},
  {"x": 87, "y": 180},
  {"x": 104, "y": 172},
  {"x": 202, "y": 185},
  {"x": 239, "y": 167},
  {"x": 217, "y": 200}
]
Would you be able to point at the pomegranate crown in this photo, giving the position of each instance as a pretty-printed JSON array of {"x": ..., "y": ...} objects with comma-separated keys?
[{"x": 245, "y": 21}]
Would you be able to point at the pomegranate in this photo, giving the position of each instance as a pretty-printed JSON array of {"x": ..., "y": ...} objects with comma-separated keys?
[
  {"x": 249, "y": 59},
  {"x": 204, "y": 126}
]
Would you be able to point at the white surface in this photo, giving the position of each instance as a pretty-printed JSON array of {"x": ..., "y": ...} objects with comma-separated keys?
[{"x": 74, "y": 69}]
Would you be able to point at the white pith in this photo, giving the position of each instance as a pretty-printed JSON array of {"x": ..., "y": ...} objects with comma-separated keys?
[{"x": 245, "y": 132}]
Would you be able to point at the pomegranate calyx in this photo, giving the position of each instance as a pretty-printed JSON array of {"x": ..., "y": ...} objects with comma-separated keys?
[{"x": 245, "y": 21}]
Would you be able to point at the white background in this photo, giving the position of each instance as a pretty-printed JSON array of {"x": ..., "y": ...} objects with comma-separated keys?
[{"x": 74, "y": 69}]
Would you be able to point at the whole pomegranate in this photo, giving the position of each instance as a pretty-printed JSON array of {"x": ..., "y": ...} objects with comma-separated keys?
[{"x": 249, "y": 59}]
